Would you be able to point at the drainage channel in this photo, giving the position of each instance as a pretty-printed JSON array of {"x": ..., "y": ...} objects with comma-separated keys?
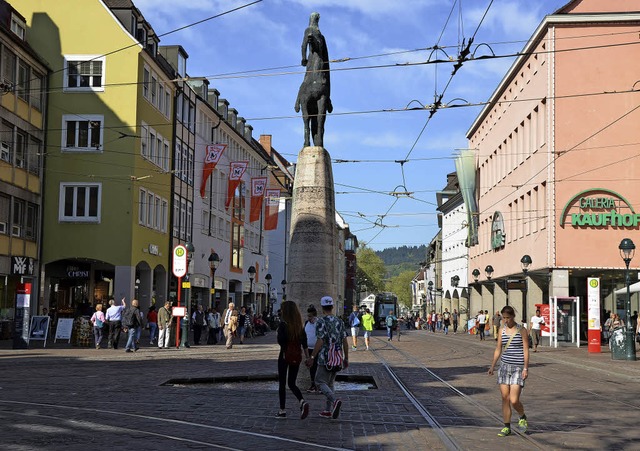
[{"x": 344, "y": 382}]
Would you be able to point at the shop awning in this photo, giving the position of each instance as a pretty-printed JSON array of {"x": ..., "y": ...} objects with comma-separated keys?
[{"x": 633, "y": 288}]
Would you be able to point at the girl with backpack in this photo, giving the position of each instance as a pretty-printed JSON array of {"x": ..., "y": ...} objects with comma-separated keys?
[{"x": 292, "y": 339}]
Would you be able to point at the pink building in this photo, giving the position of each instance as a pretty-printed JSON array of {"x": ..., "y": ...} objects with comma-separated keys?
[{"x": 558, "y": 163}]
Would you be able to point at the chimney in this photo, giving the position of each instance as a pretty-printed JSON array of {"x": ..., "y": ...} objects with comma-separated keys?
[
  {"x": 265, "y": 142},
  {"x": 248, "y": 132}
]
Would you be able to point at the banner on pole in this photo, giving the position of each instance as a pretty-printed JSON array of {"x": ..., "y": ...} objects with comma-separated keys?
[
  {"x": 273, "y": 205},
  {"x": 258, "y": 185},
  {"x": 236, "y": 171},
  {"x": 212, "y": 155}
]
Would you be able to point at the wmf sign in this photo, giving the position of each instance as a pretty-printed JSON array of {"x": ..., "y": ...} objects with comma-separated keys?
[{"x": 22, "y": 266}]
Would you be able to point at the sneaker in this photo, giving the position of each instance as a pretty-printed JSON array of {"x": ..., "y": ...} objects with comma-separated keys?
[
  {"x": 128, "y": 350},
  {"x": 281, "y": 415},
  {"x": 504, "y": 432},
  {"x": 312, "y": 389},
  {"x": 304, "y": 410},
  {"x": 367, "y": 348},
  {"x": 354, "y": 347},
  {"x": 325, "y": 414},
  {"x": 335, "y": 410},
  {"x": 523, "y": 425}
]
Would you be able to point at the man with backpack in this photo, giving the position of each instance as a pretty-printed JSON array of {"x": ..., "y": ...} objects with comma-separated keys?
[
  {"x": 354, "y": 324},
  {"x": 331, "y": 351},
  {"x": 391, "y": 322}
]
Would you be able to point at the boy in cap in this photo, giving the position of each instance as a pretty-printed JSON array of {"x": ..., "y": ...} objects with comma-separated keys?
[{"x": 329, "y": 329}]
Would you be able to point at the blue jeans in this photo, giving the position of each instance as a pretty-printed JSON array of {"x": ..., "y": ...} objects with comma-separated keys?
[
  {"x": 131, "y": 340},
  {"x": 389, "y": 332},
  {"x": 153, "y": 331}
]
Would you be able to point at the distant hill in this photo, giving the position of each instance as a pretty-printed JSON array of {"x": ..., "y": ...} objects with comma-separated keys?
[{"x": 404, "y": 258}]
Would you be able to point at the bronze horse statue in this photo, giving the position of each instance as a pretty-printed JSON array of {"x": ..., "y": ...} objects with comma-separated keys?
[{"x": 314, "y": 93}]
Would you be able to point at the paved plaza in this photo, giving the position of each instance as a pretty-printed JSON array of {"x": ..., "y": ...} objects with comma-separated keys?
[{"x": 65, "y": 397}]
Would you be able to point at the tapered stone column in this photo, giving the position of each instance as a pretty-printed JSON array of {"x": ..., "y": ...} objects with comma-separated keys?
[{"x": 312, "y": 252}]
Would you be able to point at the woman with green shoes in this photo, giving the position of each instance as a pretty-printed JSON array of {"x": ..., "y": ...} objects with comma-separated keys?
[{"x": 514, "y": 368}]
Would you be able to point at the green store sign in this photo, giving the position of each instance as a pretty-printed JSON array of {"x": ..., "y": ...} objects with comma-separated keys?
[{"x": 599, "y": 208}]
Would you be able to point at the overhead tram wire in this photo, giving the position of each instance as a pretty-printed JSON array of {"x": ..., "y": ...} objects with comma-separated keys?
[{"x": 184, "y": 27}]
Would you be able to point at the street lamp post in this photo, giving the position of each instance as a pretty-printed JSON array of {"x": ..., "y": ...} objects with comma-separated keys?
[
  {"x": 268, "y": 278},
  {"x": 627, "y": 251},
  {"x": 184, "y": 341},
  {"x": 284, "y": 288},
  {"x": 252, "y": 274},
  {"x": 476, "y": 275},
  {"x": 214, "y": 261},
  {"x": 525, "y": 261}
]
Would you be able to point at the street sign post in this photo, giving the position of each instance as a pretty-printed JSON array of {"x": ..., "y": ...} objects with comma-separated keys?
[{"x": 179, "y": 270}]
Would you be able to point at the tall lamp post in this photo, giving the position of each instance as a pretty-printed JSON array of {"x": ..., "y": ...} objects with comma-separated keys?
[
  {"x": 476, "y": 275},
  {"x": 627, "y": 251},
  {"x": 525, "y": 261},
  {"x": 252, "y": 274},
  {"x": 268, "y": 278},
  {"x": 184, "y": 341},
  {"x": 214, "y": 262},
  {"x": 455, "y": 281},
  {"x": 430, "y": 288}
]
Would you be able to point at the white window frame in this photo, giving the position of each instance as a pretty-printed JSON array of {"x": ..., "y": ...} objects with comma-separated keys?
[
  {"x": 85, "y": 219},
  {"x": 142, "y": 207},
  {"x": 18, "y": 26},
  {"x": 84, "y": 118},
  {"x": 144, "y": 140},
  {"x": 72, "y": 58}
]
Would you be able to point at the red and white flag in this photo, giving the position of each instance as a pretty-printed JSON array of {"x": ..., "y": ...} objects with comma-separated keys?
[
  {"x": 258, "y": 185},
  {"x": 236, "y": 171},
  {"x": 212, "y": 154},
  {"x": 273, "y": 206}
]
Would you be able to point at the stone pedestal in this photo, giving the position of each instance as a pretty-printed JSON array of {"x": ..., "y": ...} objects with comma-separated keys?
[{"x": 312, "y": 252}]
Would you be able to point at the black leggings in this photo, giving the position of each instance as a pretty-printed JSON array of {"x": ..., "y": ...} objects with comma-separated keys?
[{"x": 283, "y": 366}]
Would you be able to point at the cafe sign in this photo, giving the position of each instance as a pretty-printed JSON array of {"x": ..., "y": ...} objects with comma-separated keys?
[{"x": 599, "y": 208}]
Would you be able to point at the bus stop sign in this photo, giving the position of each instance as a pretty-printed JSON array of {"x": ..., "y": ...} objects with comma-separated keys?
[{"x": 179, "y": 260}]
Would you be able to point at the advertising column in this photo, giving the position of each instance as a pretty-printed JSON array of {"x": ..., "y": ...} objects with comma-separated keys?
[
  {"x": 593, "y": 313},
  {"x": 21, "y": 317}
]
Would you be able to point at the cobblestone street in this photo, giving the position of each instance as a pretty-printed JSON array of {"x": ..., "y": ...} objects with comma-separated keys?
[{"x": 63, "y": 397}]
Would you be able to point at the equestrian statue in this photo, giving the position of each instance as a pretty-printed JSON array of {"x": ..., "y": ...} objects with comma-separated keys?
[{"x": 314, "y": 93}]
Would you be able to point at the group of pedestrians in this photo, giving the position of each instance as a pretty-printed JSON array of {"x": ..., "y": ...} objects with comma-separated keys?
[{"x": 324, "y": 357}]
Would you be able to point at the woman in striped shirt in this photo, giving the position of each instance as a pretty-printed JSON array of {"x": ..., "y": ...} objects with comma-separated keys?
[{"x": 514, "y": 368}]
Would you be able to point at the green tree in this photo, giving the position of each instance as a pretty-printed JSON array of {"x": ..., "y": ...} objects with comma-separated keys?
[
  {"x": 400, "y": 285},
  {"x": 370, "y": 271}
]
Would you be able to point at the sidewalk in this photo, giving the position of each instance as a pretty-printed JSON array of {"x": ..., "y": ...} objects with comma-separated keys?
[{"x": 79, "y": 398}]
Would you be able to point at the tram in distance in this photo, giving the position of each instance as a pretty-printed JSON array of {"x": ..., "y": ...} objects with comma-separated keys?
[{"x": 380, "y": 305}]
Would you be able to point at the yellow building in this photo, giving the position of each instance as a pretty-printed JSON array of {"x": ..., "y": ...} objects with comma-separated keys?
[
  {"x": 22, "y": 106},
  {"x": 108, "y": 182}
]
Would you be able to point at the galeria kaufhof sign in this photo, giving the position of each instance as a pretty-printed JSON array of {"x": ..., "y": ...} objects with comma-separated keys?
[{"x": 599, "y": 208}]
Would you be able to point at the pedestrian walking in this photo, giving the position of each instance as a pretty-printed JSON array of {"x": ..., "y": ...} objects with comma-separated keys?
[
  {"x": 152, "y": 322},
  {"x": 495, "y": 323},
  {"x": 310, "y": 330},
  {"x": 537, "y": 321},
  {"x": 434, "y": 320},
  {"x": 482, "y": 321},
  {"x": 354, "y": 324},
  {"x": 213, "y": 320},
  {"x": 331, "y": 338},
  {"x": 367, "y": 324},
  {"x": 455, "y": 317},
  {"x": 292, "y": 339},
  {"x": 230, "y": 316},
  {"x": 514, "y": 369},
  {"x": 98, "y": 320},
  {"x": 446, "y": 320},
  {"x": 114, "y": 319},
  {"x": 198, "y": 321},
  {"x": 164, "y": 325},
  {"x": 391, "y": 323},
  {"x": 131, "y": 321}
]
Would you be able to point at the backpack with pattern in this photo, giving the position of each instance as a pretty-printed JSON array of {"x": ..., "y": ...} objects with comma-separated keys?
[{"x": 335, "y": 356}]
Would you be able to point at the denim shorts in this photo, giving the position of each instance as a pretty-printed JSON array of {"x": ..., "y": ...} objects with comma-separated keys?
[
  {"x": 367, "y": 333},
  {"x": 510, "y": 375}
]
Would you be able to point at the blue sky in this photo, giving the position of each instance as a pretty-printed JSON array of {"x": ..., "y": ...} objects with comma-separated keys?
[{"x": 267, "y": 35}]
